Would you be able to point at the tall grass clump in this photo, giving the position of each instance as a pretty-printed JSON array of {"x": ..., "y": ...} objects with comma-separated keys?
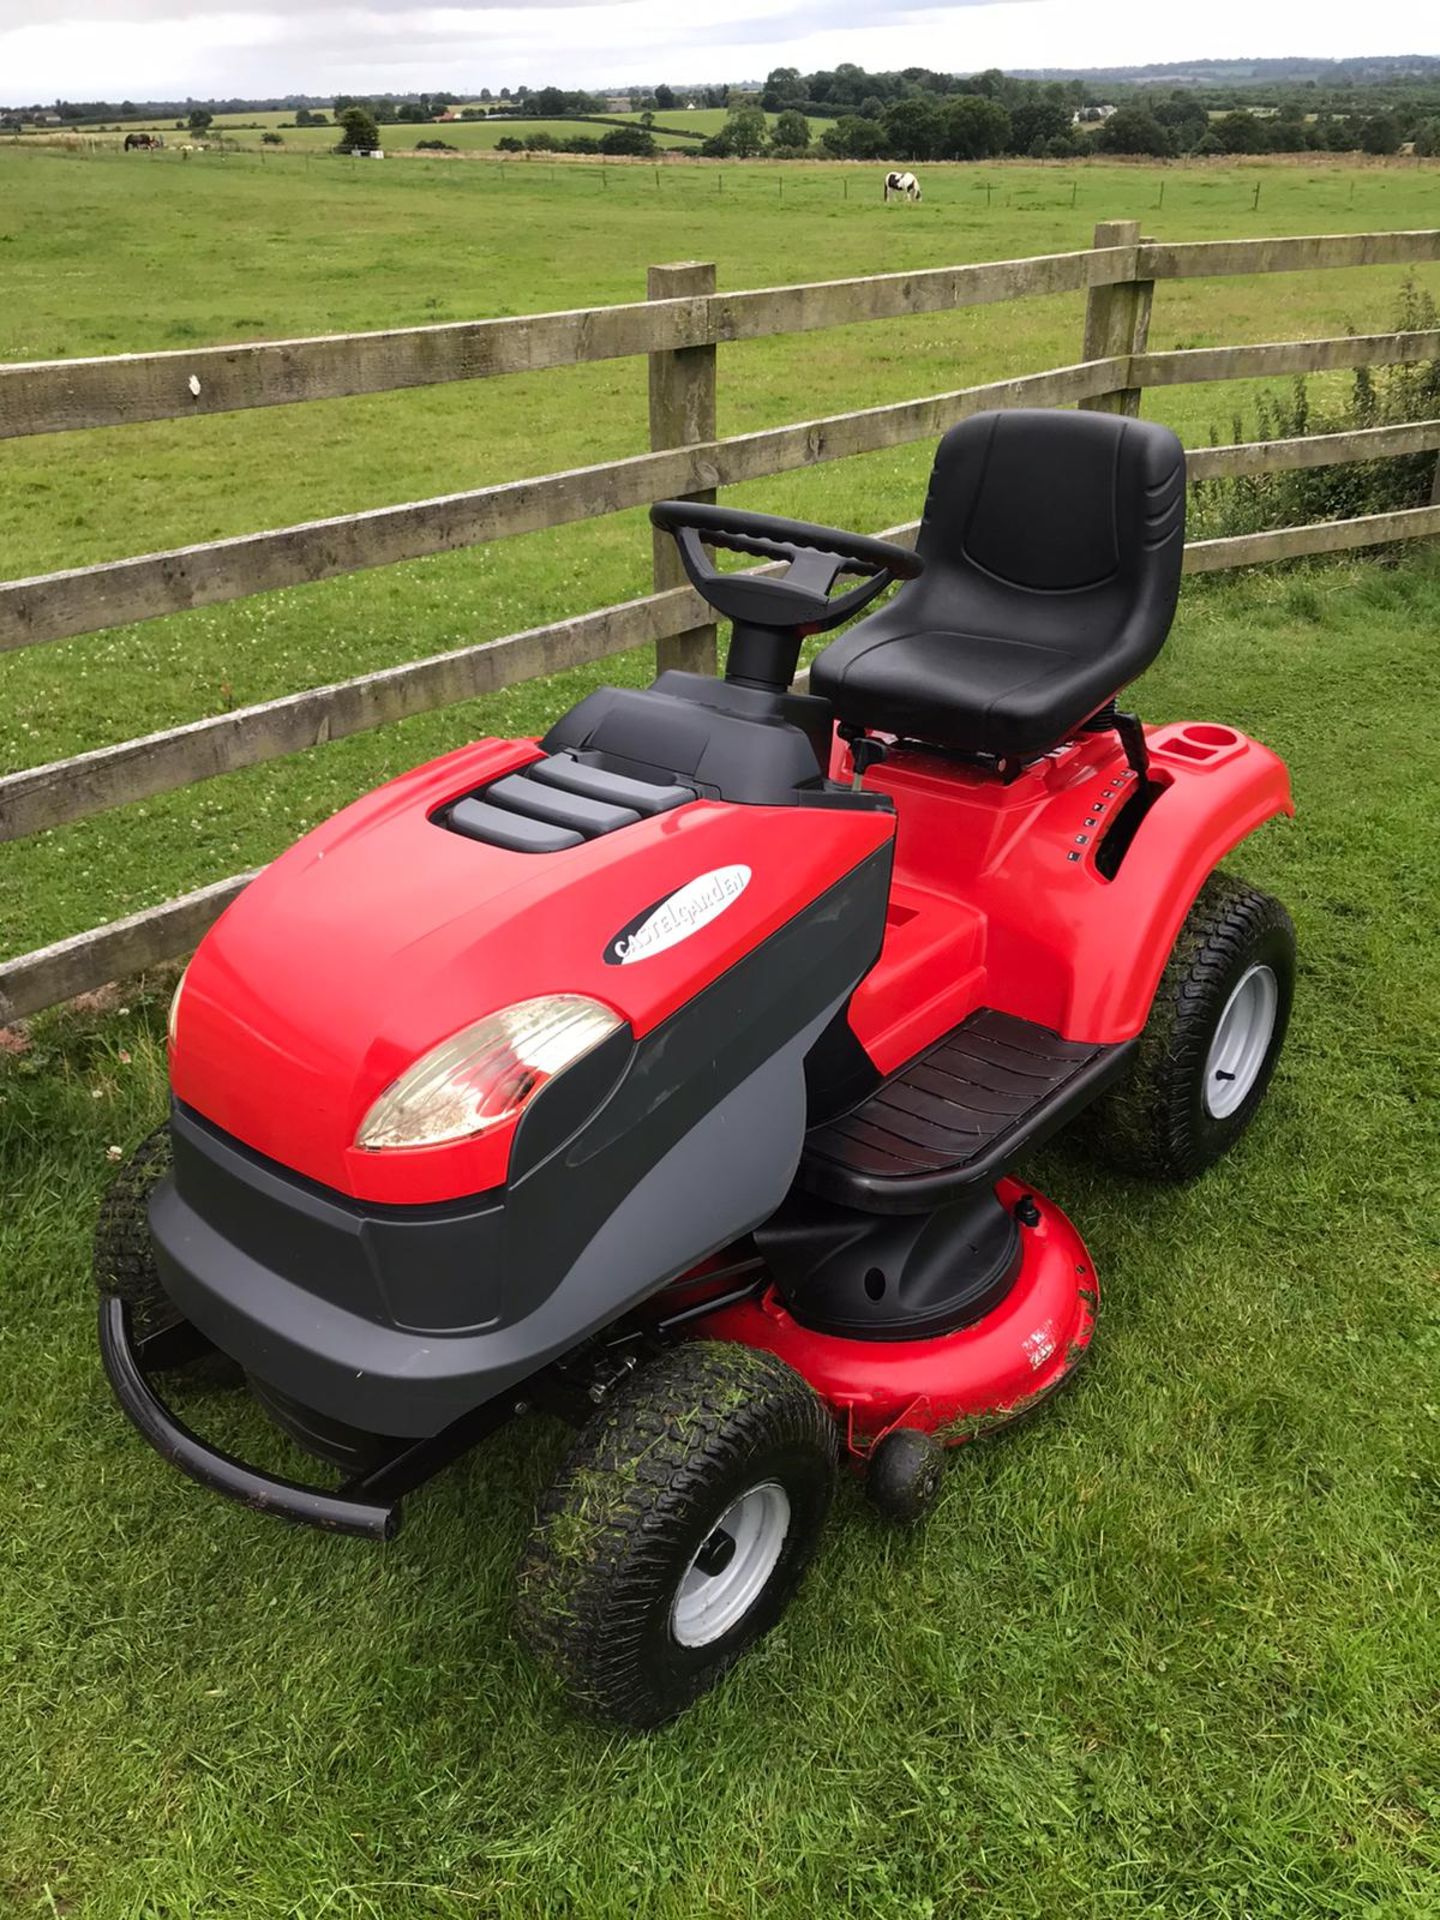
[{"x": 1374, "y": 397}]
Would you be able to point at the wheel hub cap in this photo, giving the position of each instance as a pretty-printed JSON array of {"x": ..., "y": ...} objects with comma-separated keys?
[
  {"x": 731, "y": 1566},
  {"x": 1241, "y": 1043}
]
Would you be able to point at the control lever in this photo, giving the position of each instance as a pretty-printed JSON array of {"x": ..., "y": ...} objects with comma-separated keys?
[{"x": 865, "y": 752}]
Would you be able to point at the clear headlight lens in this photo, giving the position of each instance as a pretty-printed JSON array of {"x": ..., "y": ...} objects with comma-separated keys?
[
  {"x": 173, "y": 1017},
  {"x": 487, "y": 1073}
]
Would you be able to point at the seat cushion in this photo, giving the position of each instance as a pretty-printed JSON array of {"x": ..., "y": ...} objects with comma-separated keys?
[
  {"x": 972, "y": 691},
  {"x": 1052, "y": 545}
]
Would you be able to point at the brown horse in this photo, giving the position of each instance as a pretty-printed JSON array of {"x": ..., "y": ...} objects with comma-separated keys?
[{"x": 146, "y": 142}]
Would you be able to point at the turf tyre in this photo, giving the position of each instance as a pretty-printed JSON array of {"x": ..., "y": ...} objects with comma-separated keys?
[
  {"x": 636, "y": 1503},
  {"x": 123, "y": 1256},
  {"x": 1156, "y": 1121}
]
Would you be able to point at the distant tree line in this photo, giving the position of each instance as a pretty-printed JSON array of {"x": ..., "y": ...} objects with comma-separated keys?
[{"x": 918, "y": 114}]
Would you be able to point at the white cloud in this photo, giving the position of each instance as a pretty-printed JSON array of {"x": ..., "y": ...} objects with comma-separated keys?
[{"x": 145, "y": 49}]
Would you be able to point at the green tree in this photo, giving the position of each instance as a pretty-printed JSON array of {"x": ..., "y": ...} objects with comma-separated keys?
[
  {"x": 1133, "y": 130},
  {"x": 791, "y": 130},
  {"x": 358, "y": 131},
  {"x": 271, "y": 140},
  {"x": 1380, "y": 134},
  {"x": 854, "y": 138},
  {"x": 1239, "y": 132},
  {"x": 1037, "y": 120},
  {"x": 664, "y": 99},
  {"x": 627, "y": 140},
  {"x": 1184, "y": 119},
  {"x": 913, "y": 128},
  {"x": 783, "y": 88},
  {"x": 973, "y": 127},
  {"x": 745, "y": 131},
  {"x": 200, "y": 120}
]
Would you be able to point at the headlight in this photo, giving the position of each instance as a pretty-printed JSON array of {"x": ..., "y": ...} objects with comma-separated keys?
[
  {"x": 174, "y": 1014},
  {"x": 486, "y": 1073}
]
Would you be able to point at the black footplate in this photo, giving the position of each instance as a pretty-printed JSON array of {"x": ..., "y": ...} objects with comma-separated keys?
[{"x": 959, "y": 1114}]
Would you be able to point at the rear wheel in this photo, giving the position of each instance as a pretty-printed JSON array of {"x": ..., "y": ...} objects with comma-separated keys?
[
  {"x": 677, "y": 1530},
  {"x": 1210, "y": 1045}
]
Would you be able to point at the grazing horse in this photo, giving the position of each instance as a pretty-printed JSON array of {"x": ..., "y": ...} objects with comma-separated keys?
[
  {"x": 905, "y": 184},
  {"x": 145, "y": 141}
]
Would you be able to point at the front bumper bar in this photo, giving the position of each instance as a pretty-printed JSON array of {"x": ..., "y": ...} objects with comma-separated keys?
[{"x": 369, "y": 1505}]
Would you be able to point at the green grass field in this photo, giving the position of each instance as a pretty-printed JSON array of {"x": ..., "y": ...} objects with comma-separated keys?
[
  {"x": 1172, "y": 1649},
  {"x": 468, "y": 136},
  {"x": 116, "y": 253}
]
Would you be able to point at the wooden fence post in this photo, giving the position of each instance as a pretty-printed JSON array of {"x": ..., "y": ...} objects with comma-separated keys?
[
  {"x": 1117, "y": 318},
  {"x": 682, "y": 413}
]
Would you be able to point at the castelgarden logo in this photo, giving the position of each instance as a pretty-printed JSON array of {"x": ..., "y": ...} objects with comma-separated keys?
[{"x": 677, "y": 916}]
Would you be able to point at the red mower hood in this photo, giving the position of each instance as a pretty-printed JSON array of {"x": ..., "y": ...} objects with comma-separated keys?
[{"x": 381, "y": 933}]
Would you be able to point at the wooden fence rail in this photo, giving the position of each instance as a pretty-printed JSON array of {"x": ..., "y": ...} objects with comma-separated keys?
[
  {"x": 61, "y": 396},
  {"x": 678, "y": 328}
]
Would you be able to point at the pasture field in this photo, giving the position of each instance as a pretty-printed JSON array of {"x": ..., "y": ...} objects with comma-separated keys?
[
  {"x": 1171, "y": 1650},
  {"x": 467, "y": 136},
  {"x": 111, "y": 253}
]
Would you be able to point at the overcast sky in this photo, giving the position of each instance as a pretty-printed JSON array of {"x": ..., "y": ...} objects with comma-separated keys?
[{"x": 155, "y": 49}]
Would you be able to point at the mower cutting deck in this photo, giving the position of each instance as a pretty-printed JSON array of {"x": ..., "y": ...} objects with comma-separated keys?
[{"x": 671, "y": 1074}]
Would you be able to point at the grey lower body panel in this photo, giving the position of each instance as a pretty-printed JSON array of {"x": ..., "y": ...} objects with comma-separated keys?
[{"x": 399, "y": 1320}]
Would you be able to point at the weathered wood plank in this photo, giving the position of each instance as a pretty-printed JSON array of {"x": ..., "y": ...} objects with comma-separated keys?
[
  {"x": 1117, "y": 318},
  {"x": 682, "y": 414},
  {"x": 86, "y": 961},
  {"x": 1308, "y": 253},
  {"x": 60, "y": 396},
  {"x": 1326, "y": 536},
  {"x": 1314, "y": 450},
  {"x": 87, "y": 783},
  {"x": 89, "y": 960},
  {"x": 1283, "y": 356},
  {"x": 85, "y": 599}
]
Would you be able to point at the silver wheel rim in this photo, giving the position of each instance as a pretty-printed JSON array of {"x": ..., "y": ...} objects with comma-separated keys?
[
  {"x": 1241, "y": 1042},
  {"x": 732, "y": 1566}
]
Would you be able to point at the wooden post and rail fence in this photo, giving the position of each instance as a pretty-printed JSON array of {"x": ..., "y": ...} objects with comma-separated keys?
[{"x": 678, "y": 328}]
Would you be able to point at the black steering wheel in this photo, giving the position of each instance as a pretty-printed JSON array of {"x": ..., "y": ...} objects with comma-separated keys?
[{"x": 799, "y": 600}]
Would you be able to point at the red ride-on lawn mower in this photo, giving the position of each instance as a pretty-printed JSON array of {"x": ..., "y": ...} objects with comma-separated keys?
[{"x": 671, "y": 1073}]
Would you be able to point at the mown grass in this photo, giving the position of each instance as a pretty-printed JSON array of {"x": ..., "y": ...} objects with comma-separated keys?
[{"x": 1170, "y": 1650}]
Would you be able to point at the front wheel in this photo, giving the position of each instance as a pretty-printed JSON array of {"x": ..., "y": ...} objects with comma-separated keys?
[
  {"x": 1210, "y": 1045},
  {"x": 677, "y": 1530},
  {"x": 123, "y": 1257}
]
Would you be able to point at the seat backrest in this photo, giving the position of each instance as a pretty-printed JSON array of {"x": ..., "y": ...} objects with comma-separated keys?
[{"x": 1069, "y": 527}]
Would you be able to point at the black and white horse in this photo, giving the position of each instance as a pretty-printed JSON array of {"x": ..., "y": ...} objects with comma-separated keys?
[{"x": 905, "y": 184}]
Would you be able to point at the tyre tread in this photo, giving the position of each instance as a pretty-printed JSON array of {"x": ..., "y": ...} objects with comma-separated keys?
[{"x": 630, "y": 1477}]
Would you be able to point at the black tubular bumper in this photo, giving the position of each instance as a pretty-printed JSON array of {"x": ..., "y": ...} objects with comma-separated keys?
[{"x": 368, "y": 1506}]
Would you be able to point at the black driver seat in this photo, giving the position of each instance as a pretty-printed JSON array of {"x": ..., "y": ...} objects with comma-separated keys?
[{"x": 1052, "y": 545}]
